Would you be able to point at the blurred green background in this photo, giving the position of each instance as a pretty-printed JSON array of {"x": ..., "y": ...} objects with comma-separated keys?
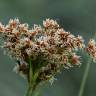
[{"x": 76, "y": 16}]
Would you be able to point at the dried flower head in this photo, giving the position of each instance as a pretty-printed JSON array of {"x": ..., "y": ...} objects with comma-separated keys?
[
  {"x": 91, "y": 49},
  {"x": 45, "y": 49}
]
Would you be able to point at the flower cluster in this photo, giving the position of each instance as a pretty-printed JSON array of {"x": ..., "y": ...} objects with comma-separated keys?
[
  {"x": 47, "y": 48},
  {"x": 91, "y": 49}
]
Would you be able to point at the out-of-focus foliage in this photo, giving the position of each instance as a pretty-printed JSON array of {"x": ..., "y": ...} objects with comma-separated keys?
[{"x": 77, "y": 16}]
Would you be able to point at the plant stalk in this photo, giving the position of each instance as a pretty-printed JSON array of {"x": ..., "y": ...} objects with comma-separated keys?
[
  {"x": 82, "y": 87},
  {"x": 85, "y": 76}
]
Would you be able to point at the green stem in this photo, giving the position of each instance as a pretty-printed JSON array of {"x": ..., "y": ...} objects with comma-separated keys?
[
  {"x": 30, "y": 76},
  {"x": 30, "y": 72},
  {"x": 85, "y": 78},
  {"x": 30, "y": 91},
  {"x": 31, "y": 81}
]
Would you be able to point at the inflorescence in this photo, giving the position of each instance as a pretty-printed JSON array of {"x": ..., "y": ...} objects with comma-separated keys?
[{"x": 47, "y": 48}]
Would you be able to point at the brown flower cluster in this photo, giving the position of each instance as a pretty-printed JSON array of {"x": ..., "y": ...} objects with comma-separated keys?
[
  {"x": 48, "y": 48},
  {"x": 91, "y": 49}
]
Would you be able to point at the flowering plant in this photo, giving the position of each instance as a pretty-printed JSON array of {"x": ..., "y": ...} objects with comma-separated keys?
[{"x": 42, "y": 51}]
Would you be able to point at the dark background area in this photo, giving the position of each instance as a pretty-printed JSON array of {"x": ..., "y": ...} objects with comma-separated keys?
[{"x": 76, "y": 16}]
